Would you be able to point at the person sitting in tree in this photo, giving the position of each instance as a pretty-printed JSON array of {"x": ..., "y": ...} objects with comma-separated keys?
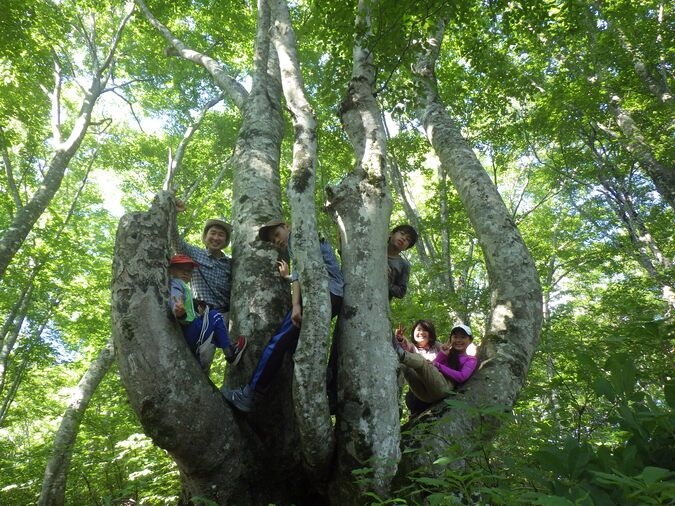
[
  {"x": 286, "y": 337},
  {"x": 212, "y": 281},
  {"x": 401, "y": 238},
  {"x": 424, "y": 342},
  {"x": 200, "y": 325},
  {"x": 431, "y": 381}
]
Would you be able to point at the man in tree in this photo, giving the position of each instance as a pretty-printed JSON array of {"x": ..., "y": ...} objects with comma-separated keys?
[
  {"x": 211, "y": 281},
  {"x": 285, "y": 339}
]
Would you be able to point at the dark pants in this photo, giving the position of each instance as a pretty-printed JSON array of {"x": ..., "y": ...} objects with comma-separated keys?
[
  {"x": 285, "y": 339},
  {"x": 415, "y": 405}
]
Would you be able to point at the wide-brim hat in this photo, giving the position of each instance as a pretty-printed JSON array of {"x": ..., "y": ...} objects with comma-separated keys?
[
  {"x": 264, "y": 231},
  {"x": 183, "y": 260},
  {"x": 464, "y": 328},
  {"x": 218, "y": 223}
]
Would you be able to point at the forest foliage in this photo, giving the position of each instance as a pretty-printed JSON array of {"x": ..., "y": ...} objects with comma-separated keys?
[{"x": 569, "y": 106}]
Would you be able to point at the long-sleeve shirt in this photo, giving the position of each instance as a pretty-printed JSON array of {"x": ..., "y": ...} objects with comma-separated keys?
[
  {"x": 211, "y": 280},
  {"x": 398, "y": 274},
  {"x": 430, "y": 353},
  {"x": 336, "y": 283},
  {"x": 467, "y": 366}
]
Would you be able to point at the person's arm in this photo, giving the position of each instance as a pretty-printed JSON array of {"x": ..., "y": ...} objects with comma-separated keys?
[
  {"x": 183, "y": 246},
  {"x": 400, "y": 337},
  {"x": 466, "y": 370},
  {"x": 398, "y": 280},
  {"x": 296, "y": 314}
]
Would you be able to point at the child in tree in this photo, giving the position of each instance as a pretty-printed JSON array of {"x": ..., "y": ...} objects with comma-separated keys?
[
  {"x": 285, "y": 339},
  {"x": 401, "y": 238},
  {"x": 199, "y": 326}
]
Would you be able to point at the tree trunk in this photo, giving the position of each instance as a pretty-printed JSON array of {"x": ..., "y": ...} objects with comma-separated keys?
[
  {"x": 515, "y": 321},
  {"x": 309, "y": 385},
  {"x": 368, "y": 414},
  {"x": 178, "y": 407},
  {"x": 54, "y": 483},
  {"x": 266, "y": 441},
  {"x": 662, "y": 176}
]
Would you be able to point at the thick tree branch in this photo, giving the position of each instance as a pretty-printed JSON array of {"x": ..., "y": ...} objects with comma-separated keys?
[
  {"x": 515, "y": 321},
  {"x": 235, "y": 91}
]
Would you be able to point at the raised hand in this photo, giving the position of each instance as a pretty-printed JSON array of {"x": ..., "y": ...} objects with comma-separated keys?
[
  {"x": 400, "y": 332},
  {"x": 284, "y": 270},
  {"x": 178, "y": 307}
]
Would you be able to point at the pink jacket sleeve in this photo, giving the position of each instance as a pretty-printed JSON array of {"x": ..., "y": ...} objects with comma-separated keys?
[{"x": 467, "y": 368}]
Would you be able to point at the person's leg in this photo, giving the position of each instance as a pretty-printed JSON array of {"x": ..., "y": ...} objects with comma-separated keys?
[
  {"x": 415, "y": 381},
  {"x": 331, "y": 373},
  {"x": 414, "y": 404},
  {"x": 428, "y": 384},
  {"x": 273, "y": 354},
  {"x": 192, "y": 332},
  {"x": 220, "y": 339}
]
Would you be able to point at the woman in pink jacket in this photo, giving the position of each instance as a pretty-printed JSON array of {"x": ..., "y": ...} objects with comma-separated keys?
[{"x": 431, "y": 381}]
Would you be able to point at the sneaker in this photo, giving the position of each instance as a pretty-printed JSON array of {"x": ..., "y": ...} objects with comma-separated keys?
[
  {"x": 240, "y": 398},
  {"x": 237, "y": 349}
]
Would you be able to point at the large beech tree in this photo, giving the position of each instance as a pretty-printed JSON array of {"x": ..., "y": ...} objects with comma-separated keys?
[
  {"x": 376, "y": 107},
  {"x": 288, "y": 450}
]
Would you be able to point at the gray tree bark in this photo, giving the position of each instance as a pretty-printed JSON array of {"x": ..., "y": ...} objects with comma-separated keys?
[
  {"x": 234, "y": 458},
  {"x": 309, "y": 385},
  {"x": 368, "y": 416},
  {"x": 56, "y": 474},
  {"x": 662, "y": 175},
  {"x": 515, "y": 321},
  {"x": 178, "y": 407}
]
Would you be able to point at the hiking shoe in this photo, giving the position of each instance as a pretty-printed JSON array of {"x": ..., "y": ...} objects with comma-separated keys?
[
  {"x": 236, "y": 350},
  {"x": 240, "y": 398}
]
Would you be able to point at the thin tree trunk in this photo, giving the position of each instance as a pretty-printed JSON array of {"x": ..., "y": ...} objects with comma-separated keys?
[
  {"x": 26, "y": 217},
  {"x": 368, "y": 418},
  {"x": 8, "y": 394},
  {"x": 663, "y": 176},
  {"x": 56, "y": 473},
  {"x": 309, "y": 386}
]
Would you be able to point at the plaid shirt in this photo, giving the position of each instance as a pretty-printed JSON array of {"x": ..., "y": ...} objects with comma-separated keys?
[{"x": 211, "y": 281}]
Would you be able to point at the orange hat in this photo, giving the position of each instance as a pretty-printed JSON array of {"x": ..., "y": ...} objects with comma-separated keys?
[{"x": 182, "y": 260}]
